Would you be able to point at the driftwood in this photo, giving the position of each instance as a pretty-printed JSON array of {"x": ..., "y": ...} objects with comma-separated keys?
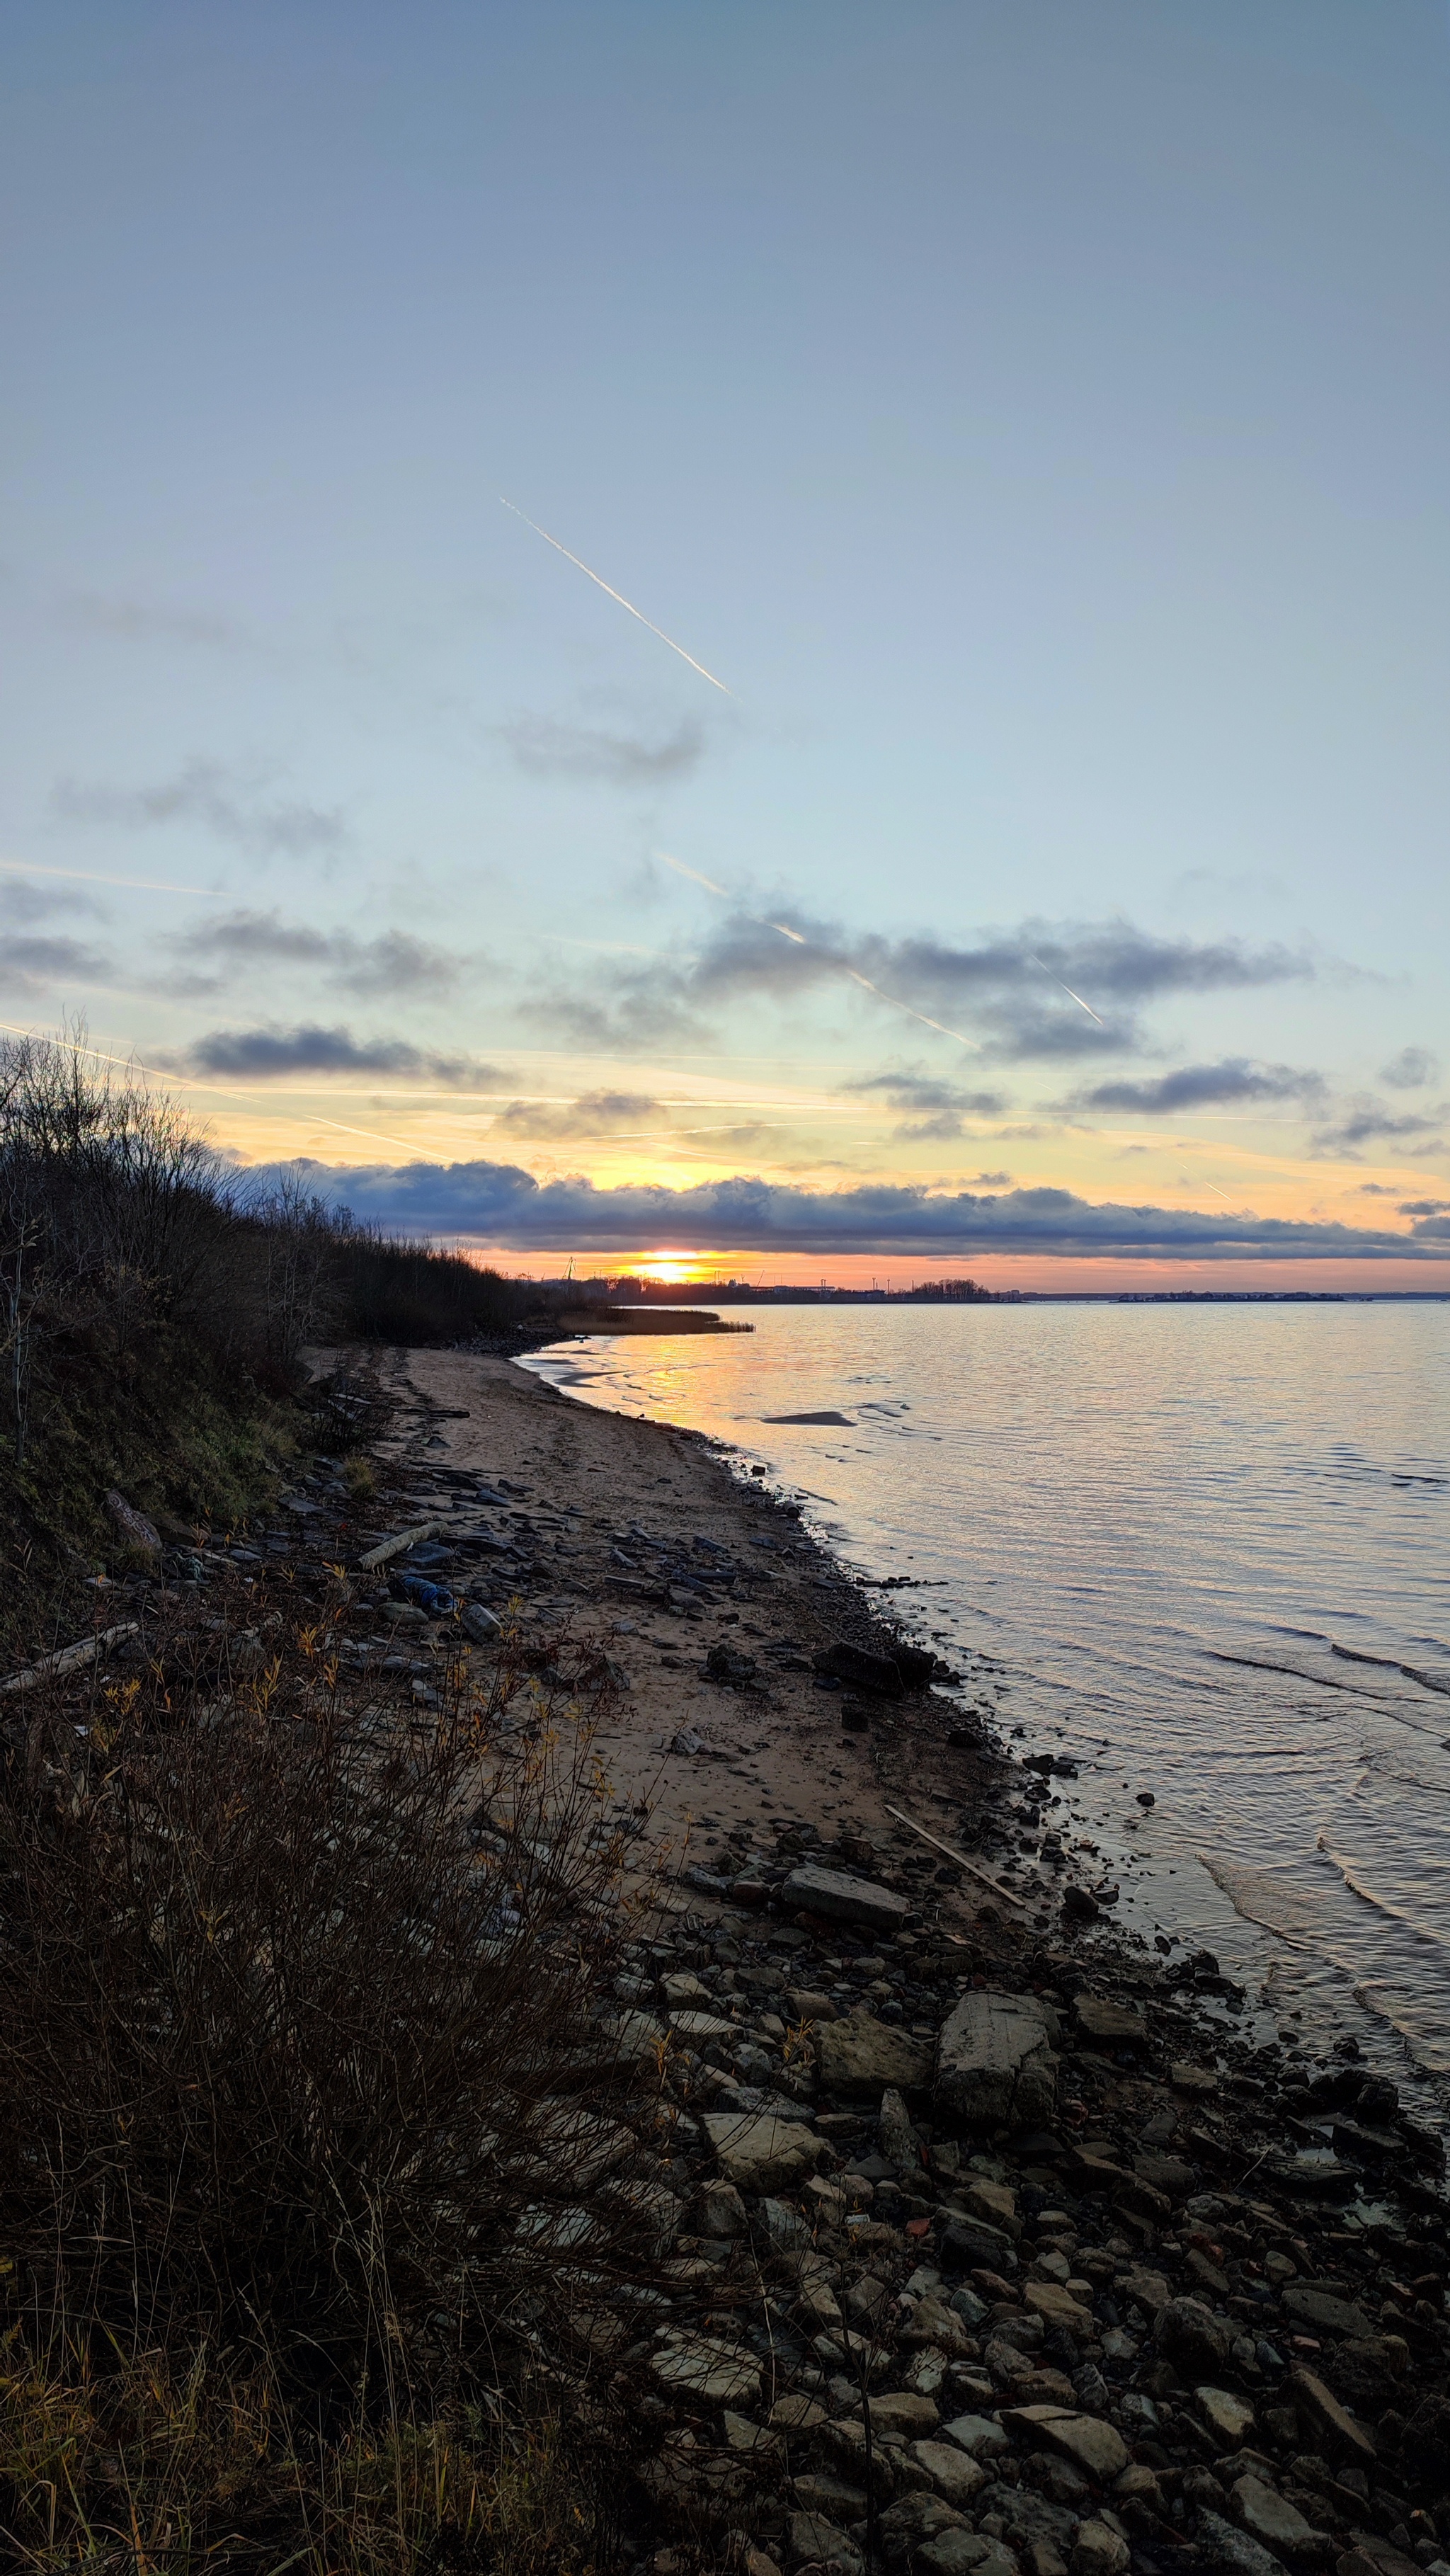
[
  {"x": 67, "y": 1659},
  {"x": 1003, "y": 1894},
  {"x": 387, "y": 1547}
]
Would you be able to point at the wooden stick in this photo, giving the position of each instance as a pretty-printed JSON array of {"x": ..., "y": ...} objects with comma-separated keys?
[
  {"x": 1015, "y": 1902},
  {"x": 67, "y": 1658},
  {"x": 394, "y": 1546}
]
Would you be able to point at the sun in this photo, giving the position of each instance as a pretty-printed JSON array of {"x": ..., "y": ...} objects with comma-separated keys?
[{"x": 666, "y": 1269}]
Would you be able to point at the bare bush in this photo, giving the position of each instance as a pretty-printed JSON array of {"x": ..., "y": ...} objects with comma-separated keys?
[{"x": 300, "y": 2049}]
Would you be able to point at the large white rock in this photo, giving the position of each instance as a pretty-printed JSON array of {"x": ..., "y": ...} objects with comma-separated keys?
[
  {"x": 860, "y": 2054},
  {"x": 845, "y": 1900},
  {"x": 760, "y": 2153},
  {"x": 995, "y": 2062}
]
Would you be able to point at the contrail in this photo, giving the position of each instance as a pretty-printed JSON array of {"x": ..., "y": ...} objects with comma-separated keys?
[
  {"x": 800, "y": 942},
  {"x": 617, "y": 595},
  {"x": 84, "y": 876},
  {"x": 1035, "y": 960}
]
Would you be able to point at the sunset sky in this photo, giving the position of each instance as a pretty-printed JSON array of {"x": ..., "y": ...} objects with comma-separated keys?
[{"x": 1029, "y": 422}]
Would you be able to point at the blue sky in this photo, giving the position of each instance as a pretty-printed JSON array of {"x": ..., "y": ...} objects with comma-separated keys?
[{"x": 1033, "y": 414}]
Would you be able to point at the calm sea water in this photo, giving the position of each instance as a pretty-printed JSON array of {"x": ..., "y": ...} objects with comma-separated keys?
[{"x": 1204, "y": 1551}]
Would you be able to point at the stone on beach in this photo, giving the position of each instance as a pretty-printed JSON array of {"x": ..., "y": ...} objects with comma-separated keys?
[
  {"x": 760, "y": 2153},
  {"x": 840, "y": 1899},
  {"x": 860, "y": 2054},
  {"x": 1097, "y": 2448},
  {"x": 996, "y": 2063}
]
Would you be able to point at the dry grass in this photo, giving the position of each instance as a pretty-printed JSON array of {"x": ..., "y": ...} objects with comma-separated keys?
[{"x": 315, "y": 2191}]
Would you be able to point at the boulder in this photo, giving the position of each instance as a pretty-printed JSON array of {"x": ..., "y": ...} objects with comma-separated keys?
[
  {"x": 1098, "y": 2449},
  {"x": 932, "y": 2323},
  {"x": 1098, "y": 2551},
  {"x": 1329, "y": 2423},
  {"x": 717, "y": 2374},
  {"x": 811, "y": 2541},
  {"x": 977, "y": 2435},
  {"x": 762, "y": 2153},
  {"x": 1115, "y": 2025},
  {"x": 719, "y": 2210},
  {"x": 1191, "y": 2340},
  {"x": 964, "y": 2553},
  {"x": 857, "y": 1665},
  {"x": 913, "y": 2418},
  {"x": 1057, "y": 2307},
  {"x": 952, "y": 2472},
  {"x": 860, "y": 2054},
  {"x": 1322, "y": 2312},
  {"x": 1268, "y": 2517},
  {"x": 841, "y": 1899},
  {"x": 995, "y": 2062},
  {"x": 974, "y": 2247},
  {"x": 1229, "y": 2547},
  {"x": 1230, "y": 2419},
  {"x": 913, "y": 2519}
]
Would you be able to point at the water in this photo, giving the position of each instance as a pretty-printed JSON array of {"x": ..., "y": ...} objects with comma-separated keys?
[{"x": 1202, "y": 1551}]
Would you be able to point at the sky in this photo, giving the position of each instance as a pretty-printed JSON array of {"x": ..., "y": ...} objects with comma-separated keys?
[{"x": 1009, "y": 837}]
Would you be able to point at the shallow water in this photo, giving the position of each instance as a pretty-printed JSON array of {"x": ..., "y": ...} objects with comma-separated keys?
[{"x": 1203, "y": 1551}]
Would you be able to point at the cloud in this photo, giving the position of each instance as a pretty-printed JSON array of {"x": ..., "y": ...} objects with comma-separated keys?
[
  {"x": 231, "y": 805},
  {"x": 934, "y": 1110},
  {"x": 1006, "y": 990},
  {"x": 24, "y": 899},
  {"x": 596, "y": 1113},
  {"x": 547, "y": 749},
  {"x": 1425, "y": 1207},
  {"x": 145, "y": 622},
  {"x": 394, "y": 962},
  {"x": 498, "y": 1203},
  {"x": 1411, "y": 1069},
  {"x": 1201, "y": 1086},
  {"x": 33, "y": 965},
  {"x": 1365, "y": 1121},
  {"x": 265, "y": 1052}
]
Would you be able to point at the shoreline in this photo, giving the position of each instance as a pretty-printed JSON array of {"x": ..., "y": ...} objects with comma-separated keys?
[{"x": 1235, "y": 2277}]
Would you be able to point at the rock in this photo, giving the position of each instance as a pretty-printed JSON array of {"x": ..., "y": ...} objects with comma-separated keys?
[
  {"x": 1098, "y": 2551},
  {"x": 719, "y": 2210},
  {"x": 964, "y": 2553},
  {"x": 1192, "y": 2079},
  {"x": 637, "y": 2038},
  {"x": 953, "y": 2473},
  {"x": 1057, "y": 2307},
  {"x": 1230, "y": 2419},
  {"x": 742, "y": 2435},
  {"x": 1191, "y": 2340},
  {"x": 860, "y": 2054},
  {"x": 758, "y": 2562},
  {"x": 912, "y": 2520},
  {"x": 975, "y": 2247},
  {"x": 784, "y": 2225},
  {"x": 725, "y": 1664},
  {"x": 133, "y": 1526},
  {"x": 817, "y": 2491},
  {"x": 1078, "y": 1906},
  {"x": 813, "y": 2542},
  {"x": 1229, "y": 2547},
  {"x": 796, "y": 2414},
  {"x": 1322, "y": 2313},
  {"x": 856, "y": 1664},
  {"x": 829, "y": 1892},
  {"x": 1117, "y": 2024},
  {"x": 697, "y": 2027},
  {"x": 994, "y": 2202},
  {"x": 913, "y": 2418},
  {"x": 995, "y": 2061},
  {"x": 933, "y": 2324},
  {"x": 479, "y": 1623},
  {"x": 1098, "y": 2449},
  {"x": 1168, "y": 2174},
  {"x": 1268, "y": 2517},
  {"x": 762, "y": 2153},
  {"x": 977, "y": 2435},
  {"x": 717, "y": 2374},
  {"x": 1147, "y": 2290},
  {"x": 898, "y": 2137},
  {"x": 1327, "y": 2420}
]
